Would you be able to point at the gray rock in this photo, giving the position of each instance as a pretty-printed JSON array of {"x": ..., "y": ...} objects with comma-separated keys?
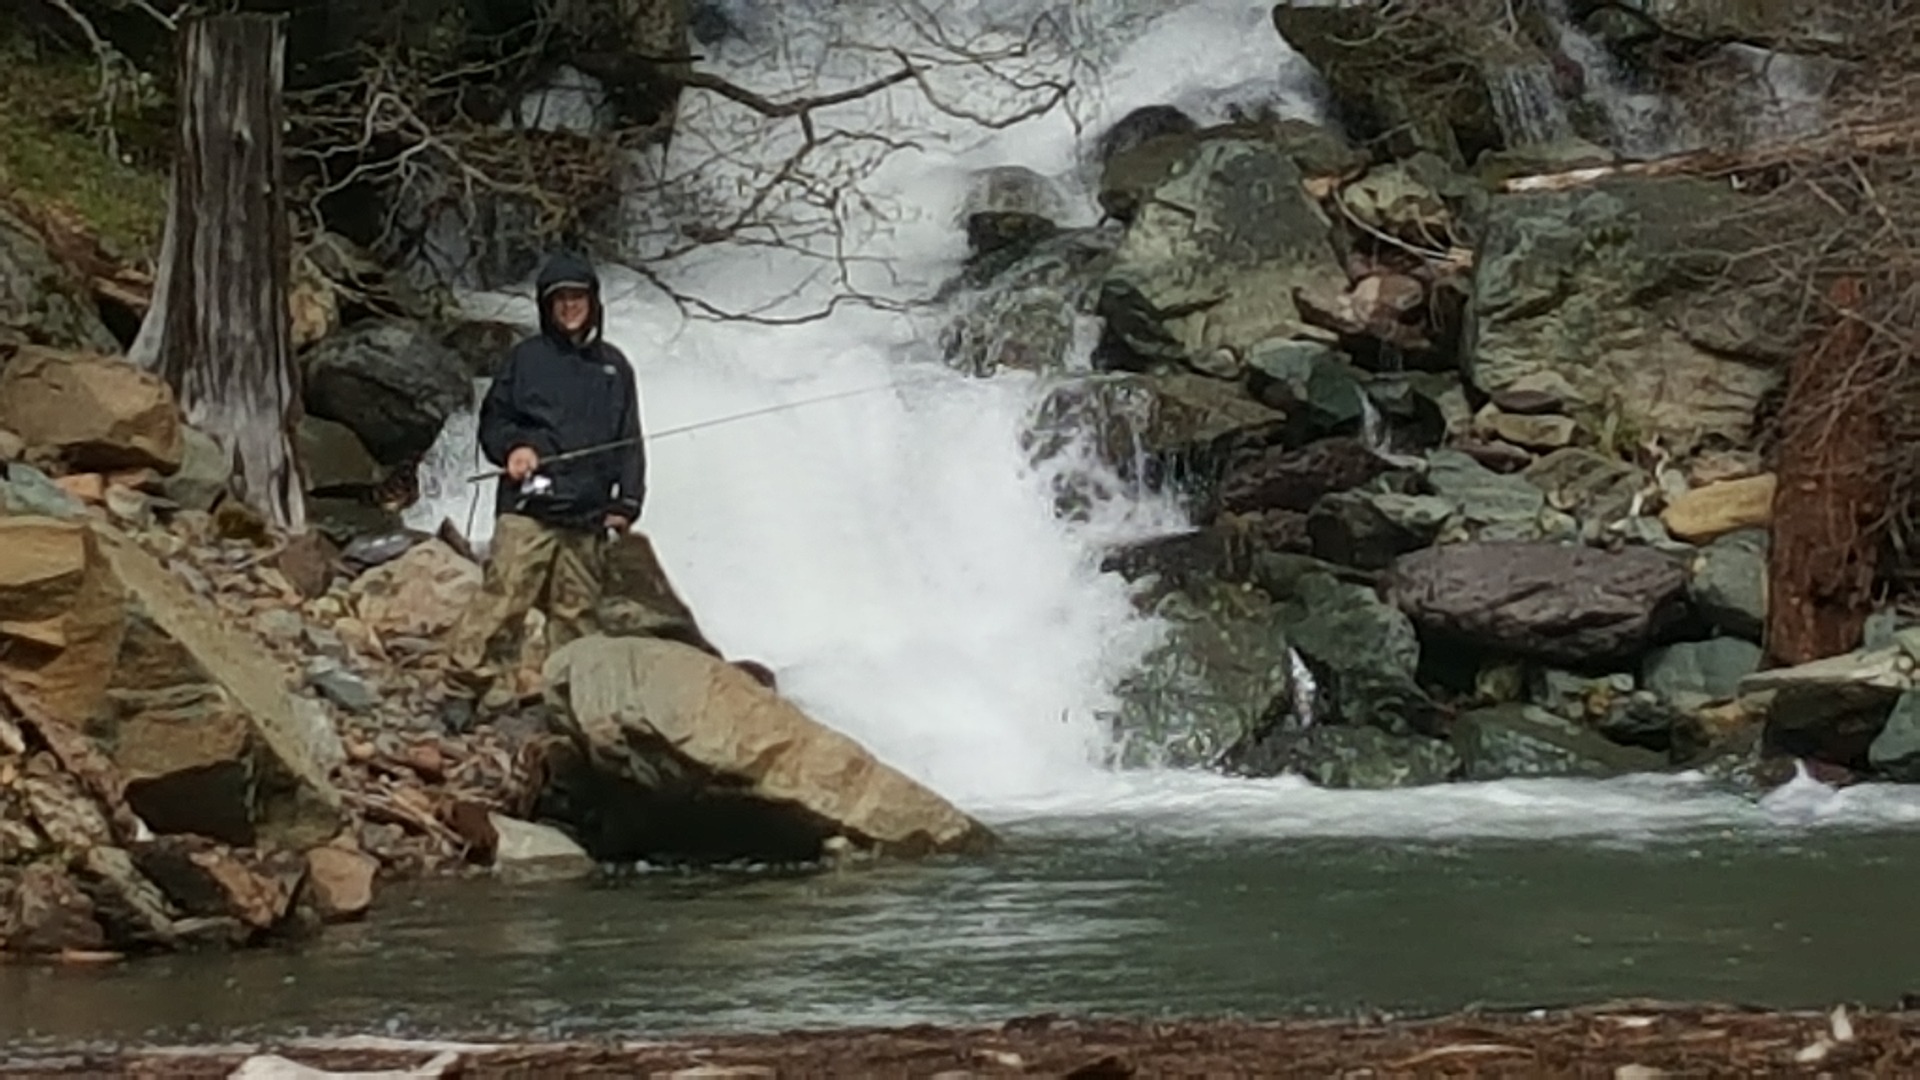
[
  {"x": 41, "y": 302},
  {"x": 1022, "y": 307},
  {"x": 1008, "y": 206},
  {"x": 345, "y": 689},
  {"x": 1895, "y": 752},
  {"x": 1612, "y": 288},
  {"x": 528, "y": 853},
  {"x": 1349, "y": 757},
  {"x": 1212, "y": 259},
  {"x": 1515, "y": 741},
  {"x": 1571, "y": 694},
  {"x": 334, "y": 457},
  {"x": 25, "y": 490},
  {"x": 1421, "y": 515},
  {"x": 1309, "y": 380},
  {"x": 1221, "y": 675},
  {"x": 1832, "y": 709},
  {"x": 391, "y": 381},
  {"x": 1487, "y": 505},
  {"x": 1349, "y": 528},
  {"x": 1557, "y": 603},
  {"x": 1362, "y": 654},
  {"x": 1728, "y": 583},
  {"x": 203, "y": 474},
  {"x": 1694, "y": 673}
]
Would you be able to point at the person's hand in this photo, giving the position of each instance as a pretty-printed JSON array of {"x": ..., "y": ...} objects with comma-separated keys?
[
  {"x": 619, "y": 522},
  {"x": 521, "y": 462}
]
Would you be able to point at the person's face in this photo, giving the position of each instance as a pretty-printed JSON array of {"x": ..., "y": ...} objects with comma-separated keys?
[{"x": 571, "y": 308}]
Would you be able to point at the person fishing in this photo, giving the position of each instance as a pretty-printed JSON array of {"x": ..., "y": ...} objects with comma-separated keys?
[{"x": 562, "y": 423}]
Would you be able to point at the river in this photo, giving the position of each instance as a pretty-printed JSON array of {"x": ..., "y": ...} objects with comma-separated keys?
[{"x": 1280, "y": 904}]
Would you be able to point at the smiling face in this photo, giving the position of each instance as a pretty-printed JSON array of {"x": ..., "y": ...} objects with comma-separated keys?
[{"x": 571, "y": 309}]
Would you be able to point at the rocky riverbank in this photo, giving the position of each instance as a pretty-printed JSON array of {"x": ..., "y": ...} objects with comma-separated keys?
[
  {"x": 1481, "y": 449},
  {"x": 1629, "y": 1040}
]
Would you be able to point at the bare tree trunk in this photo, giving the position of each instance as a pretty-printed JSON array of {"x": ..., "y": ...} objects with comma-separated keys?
[
  {"x": 218, "y": 329},
  {"x": 1830, "y": 508}
]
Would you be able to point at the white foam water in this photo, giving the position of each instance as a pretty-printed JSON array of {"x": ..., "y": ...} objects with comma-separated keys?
[{"x": 892, "y": 555}]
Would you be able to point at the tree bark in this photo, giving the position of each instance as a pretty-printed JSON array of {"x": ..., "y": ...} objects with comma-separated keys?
[
  {"x": 218, "y": 329},
  {"x": 1830, "y": 507}
]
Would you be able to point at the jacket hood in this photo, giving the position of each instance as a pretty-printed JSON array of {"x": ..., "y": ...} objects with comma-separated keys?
[{"x": 568, "y": 269}]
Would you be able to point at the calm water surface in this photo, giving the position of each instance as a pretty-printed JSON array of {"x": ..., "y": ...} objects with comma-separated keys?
[{"x": 1126, "y": 919}]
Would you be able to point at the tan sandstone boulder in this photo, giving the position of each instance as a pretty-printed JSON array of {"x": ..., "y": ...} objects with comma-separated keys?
[
  {"x": 693, "y": 735},
  {"x": 62, "y": 615},
  {"x": 94, "y": 412},
  {"x": 201, "y": 723}
]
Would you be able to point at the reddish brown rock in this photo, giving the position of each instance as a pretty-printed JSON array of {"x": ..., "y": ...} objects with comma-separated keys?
[{"x": 93, "y": 412}]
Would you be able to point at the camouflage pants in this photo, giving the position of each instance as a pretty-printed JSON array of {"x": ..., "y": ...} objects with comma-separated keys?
[{"x": 560, "y": 571}]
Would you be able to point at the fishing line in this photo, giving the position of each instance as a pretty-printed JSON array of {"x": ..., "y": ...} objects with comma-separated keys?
[{"x": 494, "y": 474}]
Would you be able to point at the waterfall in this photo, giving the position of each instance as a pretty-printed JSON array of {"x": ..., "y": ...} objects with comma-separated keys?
[{"x": 894, "y": 556}]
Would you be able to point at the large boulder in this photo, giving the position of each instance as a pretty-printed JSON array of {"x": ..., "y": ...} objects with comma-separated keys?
[
  {"x": 420, "y": 594},
  {"x": 1222, "y": 674},
  {"x": 391, "y": 381},
  {"x": 62, "y": 615},
  {"x": 730, "y": 768},
  {"x": 1021, "y": 307},
  {"x": 1562, "y": 604},
  {"x": 1361, "y": 652},
  {"x": 1211, "y": 262},
  {"x": 94, "y": 412},
  {"x": 1616, "y": 302},
  {"x": 200, "y": 721},
  {"x": 1364, "y": 758},
  {"x": 41, "y": 301},
  {"x": 1404, "y": 80}
]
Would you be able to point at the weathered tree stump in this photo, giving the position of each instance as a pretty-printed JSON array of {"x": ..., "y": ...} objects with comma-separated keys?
[
  {"x": 1830, "y": 509},
  {"x": 218, "y": 328}
]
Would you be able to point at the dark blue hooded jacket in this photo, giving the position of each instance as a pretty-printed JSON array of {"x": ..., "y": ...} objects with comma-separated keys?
[{"x": 557, "y": 396}]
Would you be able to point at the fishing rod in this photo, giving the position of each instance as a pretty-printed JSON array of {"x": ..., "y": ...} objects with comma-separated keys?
[{"x": 617, "y": 444}]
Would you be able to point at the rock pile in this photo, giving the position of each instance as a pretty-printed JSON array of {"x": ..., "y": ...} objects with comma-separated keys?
[{"x": 1476, "y": 469}]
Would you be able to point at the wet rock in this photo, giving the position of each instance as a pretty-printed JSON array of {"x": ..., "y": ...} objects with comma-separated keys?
[
  {"x": 26, "y": 491},
  {"x": 1517, "y": 741},
  {"x": 1610, "y": 288},
  {"x": 1348, "y": 757},
  {"x": 1710, "y": 512},
  {"x": 391, "y": 381},
  {"x": 1024, "y": 306},
  {"x": 203, "y": 474},
  {"x": 420, "y": 594},
  {"x": 1009, "y": 206},
  {"x": 205, "y": 729},
  {"x": 1728, "y": 583},
  {"x": 1310, "y": 382},
  {"x": 1361, "y": 652},
  {"x": 1561, "y": 604},
  {"x": 1695, "y": 673},
  {"x": 527, "y": 852},
  {"x": 1215, "y": 553},
  {"x": 93, "y": 412},
  {"x": 339, "y": 882},
  {"x": 1213, "y": 258},
  {"x": 48, "y": 914},
  {"x": 61, "y": 615},
  {"x": 42, "y": 302},
  {"x": 1148, "y": 427},
  {"x": 1282, "y": 479},
  {"x": 707, "y": 743}
]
